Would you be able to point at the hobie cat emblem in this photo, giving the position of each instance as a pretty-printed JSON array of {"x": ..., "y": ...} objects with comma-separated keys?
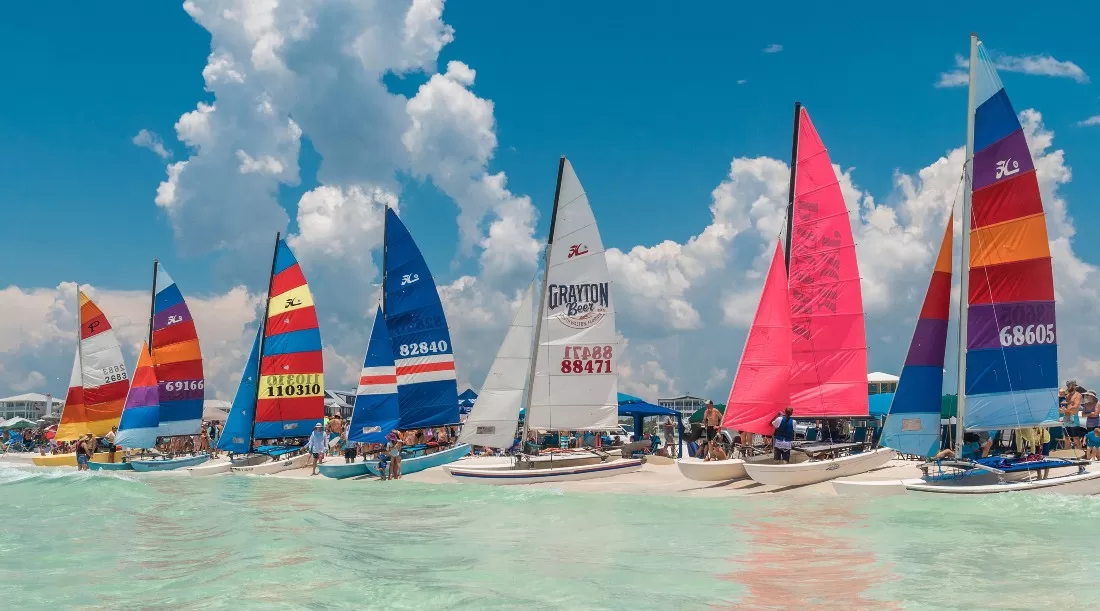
[
  {"x": 174, "y": 319},
  {"x": 409, "y": 279},
  {"x": 1003, "y": 169},
  {"x": 577, "y": 250}
]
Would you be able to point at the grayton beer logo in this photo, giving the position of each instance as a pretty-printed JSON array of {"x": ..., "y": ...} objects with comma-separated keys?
[{"x": 579, "y": 305}]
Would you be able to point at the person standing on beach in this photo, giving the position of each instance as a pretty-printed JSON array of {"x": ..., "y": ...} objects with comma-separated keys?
[
  {"x": 348, "y": 446},
  {"x": 784, "y": 434},
  {"x": 394, "y": 450},
  {"x": 670, "y": 436},
  {"x": 110, "y": 437},
  {"x": 712, "y": 419},
  {"x": 316, "y": 446},
  {"x": 212, "y": 433}
]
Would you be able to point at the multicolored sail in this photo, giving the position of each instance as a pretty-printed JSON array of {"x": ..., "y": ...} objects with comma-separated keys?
[
  {"x": 576, "y": 381},
  {"x": 236, "y": 437},
  {"x": 102, "y": 378},
  {"x": 178, "y": 359},
  {"x": 377, "y": 411},
  {"x": 1011, "y": 339},
  {"x": 427, "y": 389},
  {"x": 292, "y": 384},
  {"x": 829, "y": 346},
  {"x": 138, "y": 427},
  {"x": 913, "y": 425},
  {"x": 760, "y": 389}
]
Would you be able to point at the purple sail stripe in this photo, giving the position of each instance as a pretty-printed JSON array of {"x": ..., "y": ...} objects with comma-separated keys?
[
  {"x": 929, "y": 343},
  {"x": 142, "y": 396},
  {"x": 1002, "y": 160},
  {"x": 986, "y": 322},
  {"x": 180, "y": 391},
  {"x": 162, "y": 319}
]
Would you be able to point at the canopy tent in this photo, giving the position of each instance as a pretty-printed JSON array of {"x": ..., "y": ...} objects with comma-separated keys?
[
  {"x": 467, "y": 395},
  {"x": 465, "y": 405},
  {"x": 879, "y": 405},
  {"x": 17, "y": 424},
  {"x": 631, "y": 406},
  {"x": 698, "y": 415},
  {"x": 215, "y": 409}
]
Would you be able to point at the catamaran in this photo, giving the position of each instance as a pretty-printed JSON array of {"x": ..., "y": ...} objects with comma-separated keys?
[
  {"x": 97, "y": 388},
  {"x": 166, "y": 403},
  {"x": 568, "y": 372},
  {"x": 1007, "y": 349},
  {"x": 281, "y": 394}
]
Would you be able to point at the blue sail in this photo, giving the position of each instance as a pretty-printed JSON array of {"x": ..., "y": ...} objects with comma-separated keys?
[
  {"x": 427, "y": 390},
  {"x": 376, "y": 410},
  {"x": 237, "y": 435}
]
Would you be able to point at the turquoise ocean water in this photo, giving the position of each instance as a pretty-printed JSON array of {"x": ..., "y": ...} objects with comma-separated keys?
[{"x": 97, "y": 541}]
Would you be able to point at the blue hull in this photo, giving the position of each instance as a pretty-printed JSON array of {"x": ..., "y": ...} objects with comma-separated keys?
[
  {"x": 110, "y": 466},
  {"x": 419, "y": 463},
  {"x": 342, "y": 470},
  {"x": 156, "y": 464}
]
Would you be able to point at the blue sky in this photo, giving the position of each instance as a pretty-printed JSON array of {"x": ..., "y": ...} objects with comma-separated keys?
[{"x": 651, "y": 101}]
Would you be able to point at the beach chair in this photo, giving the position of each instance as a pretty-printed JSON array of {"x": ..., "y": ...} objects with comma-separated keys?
[{"x": 811, "y": 434}]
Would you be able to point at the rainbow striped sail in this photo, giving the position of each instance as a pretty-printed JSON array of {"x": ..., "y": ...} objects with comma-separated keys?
[
  {"x": 1011, "y": 339},
  {"x": 376, "y": 410},
  {"x": 141, "y": 414},
  {"x": 100, "y": 374},
  {"x": 175, "y": 350},
  {"x": 427, "y": 389},
  {"x": 913, "y": 426},
  {"x": 292, "y": 383}
]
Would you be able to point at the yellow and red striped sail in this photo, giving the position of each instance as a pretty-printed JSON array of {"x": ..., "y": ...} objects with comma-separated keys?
[{"x": 99, "y": 382}]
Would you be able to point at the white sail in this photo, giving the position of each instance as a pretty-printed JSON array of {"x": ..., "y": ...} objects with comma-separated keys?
[
  {"x": 575, "y": 384},
  {"x": 494, "y": 418}
]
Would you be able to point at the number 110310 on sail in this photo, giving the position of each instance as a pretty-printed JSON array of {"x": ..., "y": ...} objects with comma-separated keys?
[{"x": 587, "y": 359}]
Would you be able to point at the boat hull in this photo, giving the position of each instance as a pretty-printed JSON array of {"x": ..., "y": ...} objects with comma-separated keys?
[
  {"x": 420, "y": 463},
  {"x": 169, "y": 464},
  {"x": 510, "y": 475},
  {"x": 274, "y": 466},
  {"x": 714, "y": 471},
  {"x": 817, "y": 471},
  {"x": 571, "y": 459},
  {"x": 343, "y": 470},
  {"x": 1082, "y": 484},
  {"x": 69, "y": 460},
  {"x": 110, "y": 466}
]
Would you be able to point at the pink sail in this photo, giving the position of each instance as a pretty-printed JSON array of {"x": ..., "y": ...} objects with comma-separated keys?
[
  {"x": 829, "y": 344},
  {"x": 760, "y": 388}
]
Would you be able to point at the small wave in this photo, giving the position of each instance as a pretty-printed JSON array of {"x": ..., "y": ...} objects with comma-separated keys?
[{"x": 15, "y": 474}]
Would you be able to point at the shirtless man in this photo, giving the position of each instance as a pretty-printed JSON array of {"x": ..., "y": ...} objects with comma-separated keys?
[
  {"x": 335, "y": 429},
  {"x": 712, "y": 419}
]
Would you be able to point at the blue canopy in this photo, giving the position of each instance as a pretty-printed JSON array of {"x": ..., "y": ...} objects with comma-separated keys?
[
  {"x": 468, "y": 395},
  {"x": 879, "y": 405},
  {"x": 631, "y": 406}
]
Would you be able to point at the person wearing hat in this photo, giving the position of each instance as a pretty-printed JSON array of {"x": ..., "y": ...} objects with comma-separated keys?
[
  {"x": 316, "y": 446},
  {"x": 1090, "y": 409},
  {"x": 712, "y": 419}
]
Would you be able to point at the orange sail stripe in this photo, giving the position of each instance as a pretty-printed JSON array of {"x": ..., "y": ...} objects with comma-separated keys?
[
  {"x": 178, "y": 353},
  {"x": 366, "y": 380},
  {"x": 1019, "y": 240}
]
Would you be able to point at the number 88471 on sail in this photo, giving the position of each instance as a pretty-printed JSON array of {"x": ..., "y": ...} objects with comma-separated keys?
[{"x": 587, "y": 359}]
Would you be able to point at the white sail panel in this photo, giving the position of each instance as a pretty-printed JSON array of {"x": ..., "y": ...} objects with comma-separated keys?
[
  {"x": 576, "y": 383},
  {"x": 493, "y": 420}
]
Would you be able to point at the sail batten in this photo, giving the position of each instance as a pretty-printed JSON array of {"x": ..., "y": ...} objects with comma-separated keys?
[
  {"x": 376, "y": 411},
  {"x": 829, "y": 346},
  {"x": 492, "y": 422},
  {"x": 1011, "y": 332},
  {"x": 101, "y": 375},
  {"x": 427, "y": 385}
]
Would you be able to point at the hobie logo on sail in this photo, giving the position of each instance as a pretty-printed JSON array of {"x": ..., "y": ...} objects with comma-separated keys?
[
  {"x": 577, "y": 250},
  {"x": 579, "y": 305},
  {"x": 409, "y": 279},
  {"x": 290, "y": 426},
  {"x": 367, "y": 430},
  {"x": 174, "y": 319},
  {"x": 1003, "y": 169}
]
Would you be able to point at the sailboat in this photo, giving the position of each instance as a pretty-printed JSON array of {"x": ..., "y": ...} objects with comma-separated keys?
[
  {"x": 1007, "y": 349},
  {"x": 281, "y": 396},
  {"x": 820, "y": 319},
  {"x": 376, "y": 411},
  {"x": 138, "y": 426},
  {"x": 176, "y": 361},
  {"x": 569, "y": 374},
  {"x": 97, "y": 387}
]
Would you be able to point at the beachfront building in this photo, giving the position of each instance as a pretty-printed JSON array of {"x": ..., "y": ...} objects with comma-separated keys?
[
  {"x": 685, "y": 404},
  {"x": 339, "y": 402},
  {"x": 879, "y": 383},
  {"x": 31, "y": 406}
]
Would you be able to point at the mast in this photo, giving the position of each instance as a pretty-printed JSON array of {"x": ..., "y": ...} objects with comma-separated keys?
[
  {"x": 385, "y": 230},
  {"x": 964, "y": 266},
  {"x": 790, "y": 188},
  {"x": 263, "y": 331},
  {"x": 542, "y": 302},
  {"x": 152, "y": 306}
]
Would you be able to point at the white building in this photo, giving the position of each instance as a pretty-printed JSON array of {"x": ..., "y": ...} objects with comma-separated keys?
[
  {"x": 685, "y": 404},
  {"x": 878, "y": 383},
  {"x": 31, "y": 406}
]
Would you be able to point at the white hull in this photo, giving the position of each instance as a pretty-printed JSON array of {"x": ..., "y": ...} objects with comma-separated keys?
[
  {"x": 714, "y": 471},
  {"x": 817, "y": 471},
  {"x": 1087, "y": 483},
  {"x": 509, "y": 475},
  {"x": 275, "y": 466},
  {"x": 565, "y": 459},
  {"x": 210, "y": 468}
]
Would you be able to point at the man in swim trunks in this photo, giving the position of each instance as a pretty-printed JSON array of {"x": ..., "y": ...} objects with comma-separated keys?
[
  {"x": 110, "y": 437},
  {"x": 316, "y": 446},
  {"x": 712, "y": 419},
  {"x": 349, "y": 447}
]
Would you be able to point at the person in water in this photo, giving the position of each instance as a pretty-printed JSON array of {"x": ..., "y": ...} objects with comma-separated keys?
[
  {"x": 316, "y": 446},
  {"x": 111, "y": 447},
  {"x": 81, "y": 454},
  {"x": 784, "y": 434}
]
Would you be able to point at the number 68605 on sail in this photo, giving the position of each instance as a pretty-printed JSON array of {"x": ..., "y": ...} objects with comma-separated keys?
[{"x": 1020, "y": 335}]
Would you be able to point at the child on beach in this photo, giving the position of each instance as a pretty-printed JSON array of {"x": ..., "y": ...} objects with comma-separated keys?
[
  {"x": 1092, "y": 444},
  {"x": 383, "y": 465}
]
